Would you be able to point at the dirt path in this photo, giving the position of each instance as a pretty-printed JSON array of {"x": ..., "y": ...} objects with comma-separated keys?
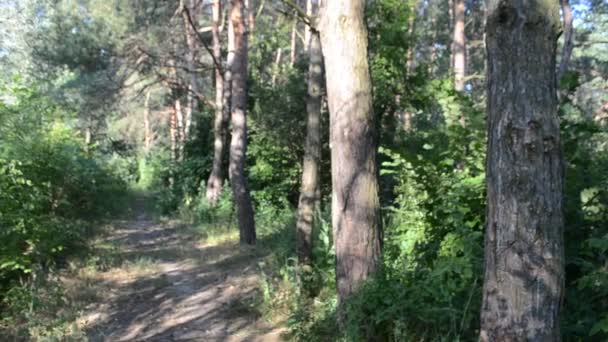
[{"x": 166, "y": 286}]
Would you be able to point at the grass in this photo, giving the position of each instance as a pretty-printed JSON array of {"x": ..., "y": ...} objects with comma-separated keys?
[{"x": 211, "y": 234}]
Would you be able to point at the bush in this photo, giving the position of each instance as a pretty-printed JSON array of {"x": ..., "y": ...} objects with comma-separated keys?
[{"x": 50, "y": 182}]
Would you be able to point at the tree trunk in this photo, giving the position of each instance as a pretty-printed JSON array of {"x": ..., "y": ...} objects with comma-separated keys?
[
  {"x": 451, "y": 27},
  {"x": 147, "y": 132},
  {"x": 87, "y": 135},
  {"x": 355, "y": 204},
  {"x": 459, "y": 46},
  {"x": 191, "y": 101},
  {"x": 294, "y": 43},
  {"x": 173, "y": 142},
  {"x": 411, "y": 33},
  {"x": 250, "y": 8},
  {"x": 177, "y": 106},
  {"x": 312, "y": 153},
  {"x": 179, "y": 114},
  {"x": 433, "y": 54},
  {"x": 307, "y": 29},
  {"x": 568, "y": 43},
  {"x": 214, "y": 184},
  {"x": 238, "y": 145},
  {"x": 277, "y": 67},
  {"x": 524, "y": 248}
]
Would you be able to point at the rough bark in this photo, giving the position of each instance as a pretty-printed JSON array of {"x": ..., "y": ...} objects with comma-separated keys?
[
  {"x": 312, "y": 153},
  {"x": 214, "y": 183},
  {"x": 568, "y": 43},
  {"x": 524, "y": 249},
  {"x": 355, "y": 204},
  {"x": 238, "y": 145},
  {"x": 459, "y": 46}
]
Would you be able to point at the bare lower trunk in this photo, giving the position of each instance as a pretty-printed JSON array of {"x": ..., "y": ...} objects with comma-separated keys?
[
  {"x": 179, "y": 114},
  {"x": 433, "y": 54},
  {"x": 458, "y": 46},
  {"x": 407, "y": 121},
  {"x": 87, "y": 135},
  {"x": 312, "y": 153},
  {"x": 177, "y": 107},
  {"x": 451, "y": 27},
  {"x": 411, "y": 33},
  {"x": 568, "y": 43},
  {"x": 355, "y": 204},
  {"x": 191, "y": 101},
  {"x": 307, "y": 29},
  {"x": 238, "y": 145},
  {"x": 294, "y": 43},
  {"x": 277, "y": 67},
  {"x": 173, "y": 142},
  {"x": 214, "y": 184},
  {"x": 147, "y": 132},
  {"x": 250, "y": 8},
  {"x": 524, "y": 248}
]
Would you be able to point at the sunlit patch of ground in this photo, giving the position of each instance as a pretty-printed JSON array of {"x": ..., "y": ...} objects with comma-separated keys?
[{"x": 155, "y": 281}]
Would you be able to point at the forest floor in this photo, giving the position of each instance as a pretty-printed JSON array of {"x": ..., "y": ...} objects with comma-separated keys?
[{"x": 157, "y": 281}]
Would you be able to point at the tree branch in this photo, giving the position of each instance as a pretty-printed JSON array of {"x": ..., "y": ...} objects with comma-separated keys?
[
  {"x": 217, "y": 63},
  {"x": 300, "y": 14}
]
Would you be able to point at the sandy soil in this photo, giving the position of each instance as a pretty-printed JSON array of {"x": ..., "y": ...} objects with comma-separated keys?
[{"x": 172, "y": 288}]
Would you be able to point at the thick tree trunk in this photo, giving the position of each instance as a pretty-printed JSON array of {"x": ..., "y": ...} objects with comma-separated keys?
[
  {"x": 214, "y": 184},
  {"x": 524, "y": 248},
  {"x": 238, "y": 145},
  {"x": 312, "y": 153},
  {"x": 459, "y": 46},
  {"x": 355, "y": 204},
  {"x": 568, "y": 43}
]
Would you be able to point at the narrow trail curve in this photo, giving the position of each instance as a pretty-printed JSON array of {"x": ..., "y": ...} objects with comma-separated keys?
[{"x": 169, "y": 287}]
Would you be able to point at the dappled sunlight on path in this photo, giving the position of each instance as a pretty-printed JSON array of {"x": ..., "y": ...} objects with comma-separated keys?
[{"x": 169, "y": 287}]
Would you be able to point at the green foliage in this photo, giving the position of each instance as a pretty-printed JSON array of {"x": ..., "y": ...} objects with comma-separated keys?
[
  {"x": 586, "y": 235},
  {"x": 277, "y": 130},
  {"x": 431, "y": 282},
  {"x": 49, "y": 183}
]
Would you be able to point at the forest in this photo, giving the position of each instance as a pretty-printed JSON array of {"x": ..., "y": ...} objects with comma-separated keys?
[{"x": 303, "y": 170}]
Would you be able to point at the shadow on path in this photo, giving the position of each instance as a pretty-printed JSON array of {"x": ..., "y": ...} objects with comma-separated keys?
[{"x": 169, "y": 287}]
